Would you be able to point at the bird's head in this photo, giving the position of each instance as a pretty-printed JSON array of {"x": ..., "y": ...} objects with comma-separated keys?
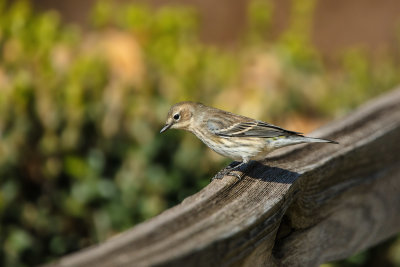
[{"x": 180, "y": 116}]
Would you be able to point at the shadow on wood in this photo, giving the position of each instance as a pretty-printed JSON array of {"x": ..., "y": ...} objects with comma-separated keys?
[{"x": 303, "y": 206}]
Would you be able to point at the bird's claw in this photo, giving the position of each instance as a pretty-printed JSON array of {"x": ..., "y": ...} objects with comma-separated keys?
[
  {"x": 220, "y": 174},
  {"x": 239, "y": 176},
  {"x": 230, "y": 170}
]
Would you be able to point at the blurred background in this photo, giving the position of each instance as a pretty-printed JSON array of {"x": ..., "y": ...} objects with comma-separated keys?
[{"x": 85, "y": 87}]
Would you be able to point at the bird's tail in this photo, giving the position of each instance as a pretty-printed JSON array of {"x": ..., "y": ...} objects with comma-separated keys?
[
  {"x": 307, "y": 139},
  {"x": 299, "y": 139}
]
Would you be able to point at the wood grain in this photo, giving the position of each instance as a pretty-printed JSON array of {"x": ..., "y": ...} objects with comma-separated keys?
[{"x": 303, "y": 206}]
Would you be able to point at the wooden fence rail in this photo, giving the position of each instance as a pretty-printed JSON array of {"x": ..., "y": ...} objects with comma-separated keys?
[{"x": 303, "y": 206}]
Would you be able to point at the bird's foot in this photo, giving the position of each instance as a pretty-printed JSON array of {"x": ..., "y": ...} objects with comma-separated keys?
[{"x": 231, "y": 170}]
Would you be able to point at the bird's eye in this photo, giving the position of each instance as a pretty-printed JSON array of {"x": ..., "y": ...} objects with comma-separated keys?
[{"x": 177, "y": 117}]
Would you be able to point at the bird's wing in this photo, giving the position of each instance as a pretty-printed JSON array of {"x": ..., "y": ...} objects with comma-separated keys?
[{"x": 246, "y": 129}]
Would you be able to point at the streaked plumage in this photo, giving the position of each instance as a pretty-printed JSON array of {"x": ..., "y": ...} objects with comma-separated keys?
[{"x": 234, "y": 136}]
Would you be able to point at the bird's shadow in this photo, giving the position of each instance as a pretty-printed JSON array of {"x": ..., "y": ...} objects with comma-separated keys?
[{"x": 265, "y": 173}]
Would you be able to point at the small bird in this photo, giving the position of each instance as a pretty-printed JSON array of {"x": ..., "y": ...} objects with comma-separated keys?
[{"x": 234, "y": 136}]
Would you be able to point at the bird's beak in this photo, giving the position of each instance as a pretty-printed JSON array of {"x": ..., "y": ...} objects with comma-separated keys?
[{"x": 166, "y": 127}]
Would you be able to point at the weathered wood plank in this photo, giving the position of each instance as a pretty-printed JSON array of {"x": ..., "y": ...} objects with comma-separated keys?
[{"x": 303, "y": 206}]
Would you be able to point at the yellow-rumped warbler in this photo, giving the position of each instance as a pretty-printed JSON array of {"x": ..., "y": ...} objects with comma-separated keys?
[{"x": 234, "y": 136}]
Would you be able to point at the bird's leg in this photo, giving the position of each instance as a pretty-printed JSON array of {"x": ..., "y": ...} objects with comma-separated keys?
[
  {"x": 233, "y": 165},
  {"x": 240, "y": 175},
  {"x": 230, "y": 170},
  {"x": 226, "y": 170}
]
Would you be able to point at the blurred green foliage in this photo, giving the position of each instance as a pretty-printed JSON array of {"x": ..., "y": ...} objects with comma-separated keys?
[{"x": 80, "y": 154}]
